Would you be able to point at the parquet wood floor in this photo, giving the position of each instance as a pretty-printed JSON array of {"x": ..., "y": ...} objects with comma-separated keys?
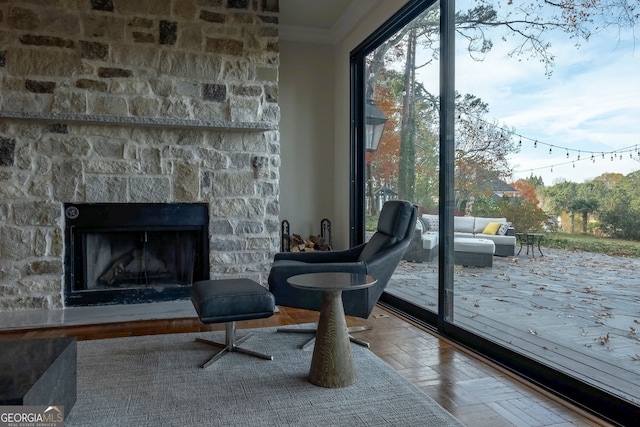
[{"x": 473, "y": 390}]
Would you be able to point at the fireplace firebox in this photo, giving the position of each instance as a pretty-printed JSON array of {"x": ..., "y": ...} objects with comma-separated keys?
[{"x": 126, "y": 253}]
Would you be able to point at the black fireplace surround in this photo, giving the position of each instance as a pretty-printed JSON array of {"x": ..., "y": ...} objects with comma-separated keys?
[{"x": 127, "y": 253}]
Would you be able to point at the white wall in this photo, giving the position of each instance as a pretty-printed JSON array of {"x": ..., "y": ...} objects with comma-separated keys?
[
  {"x": 314, "y": 128},
  {"x": 384, "y": 10},
  {"x": 306, "y": 135}
]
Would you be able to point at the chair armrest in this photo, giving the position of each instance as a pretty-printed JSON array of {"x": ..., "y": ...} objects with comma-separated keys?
[
  {"x": 510, "y": 232},
  {"x": 294, "y": 268},
  {"x": 348, "y": 255}
]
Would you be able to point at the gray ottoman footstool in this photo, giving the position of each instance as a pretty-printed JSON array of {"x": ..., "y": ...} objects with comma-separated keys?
[
  {"x": 473, "y": 252},
  {"x": 228, "y": 301}
]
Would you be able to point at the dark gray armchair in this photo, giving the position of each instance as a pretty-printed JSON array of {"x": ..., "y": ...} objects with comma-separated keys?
[{"x": 379, "y": 257}]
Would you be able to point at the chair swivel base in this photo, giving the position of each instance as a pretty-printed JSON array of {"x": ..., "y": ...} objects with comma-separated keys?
[
  {"x": 350, "y": 330},
  {"x": 231, "y": 345}
]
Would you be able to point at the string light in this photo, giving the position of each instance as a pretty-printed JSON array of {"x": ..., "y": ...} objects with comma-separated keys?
[{"x": 613, "y": 154}]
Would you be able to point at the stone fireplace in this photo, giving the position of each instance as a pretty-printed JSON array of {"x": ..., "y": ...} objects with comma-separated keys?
[
  {"x": 136, "y": 103},
  {"x": 118, "y": 253}
]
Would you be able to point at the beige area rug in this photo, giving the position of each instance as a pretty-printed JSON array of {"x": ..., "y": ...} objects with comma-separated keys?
[{"x": 157, "y": 381}]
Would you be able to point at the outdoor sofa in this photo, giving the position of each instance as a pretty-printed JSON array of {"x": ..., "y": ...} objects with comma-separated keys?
[{"x": 425, "y": 242}]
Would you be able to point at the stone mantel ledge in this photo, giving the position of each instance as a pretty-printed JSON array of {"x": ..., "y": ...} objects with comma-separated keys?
[{"x": 139, "y": 121}]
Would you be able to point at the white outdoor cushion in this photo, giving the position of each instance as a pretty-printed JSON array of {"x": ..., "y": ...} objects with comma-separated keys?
[
  {"x": 481, "y": 223},
  {"x": 503, "y": 228},
  {"x": 464, "y": 224},
  {"x": 458, "y": 234},
  {"x": 433, "y": 221},
  {"x": 430, "y": 240},
  {"x": 480, "y": 246},
  {"x": 498, "y": 239}
]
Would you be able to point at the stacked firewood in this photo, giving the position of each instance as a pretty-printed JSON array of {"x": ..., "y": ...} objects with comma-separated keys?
[{"x": 314, "y": 243}]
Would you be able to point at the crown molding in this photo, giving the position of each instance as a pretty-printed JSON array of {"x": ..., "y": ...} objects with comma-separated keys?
[{"x": 352, "y": 16}]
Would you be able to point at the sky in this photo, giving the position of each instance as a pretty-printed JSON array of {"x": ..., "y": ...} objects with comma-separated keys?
[{"x": 589, "y": 104}]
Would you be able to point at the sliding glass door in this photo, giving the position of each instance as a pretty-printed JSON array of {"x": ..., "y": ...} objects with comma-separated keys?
[
  {"x": 487, "y": 115},
  {"x": 401, "y": 142}
]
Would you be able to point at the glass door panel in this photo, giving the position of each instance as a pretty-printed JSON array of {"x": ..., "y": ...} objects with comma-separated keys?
[
  {"x": 546, "y": 152},
  {"x": 541, "y": 232},
  {"x": 401, "y": 94}
]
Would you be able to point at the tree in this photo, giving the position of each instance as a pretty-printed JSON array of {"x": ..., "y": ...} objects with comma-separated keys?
[
  {"x": 609, "y": 179},
  {"x": 484, "y": 207},
  {"x": 381, "y": 164},
  {"x": 523, "y": 214},
  {"x": 406, "y": 180},
  {"x": 525, "y": 25},
  {"x": 584, "y": 207},
  {"x": 526, "y": 190},
  {"x": 588, "y": 198},
  {"x": 535, "y": 181},
  {"x": 482, "y": 150},
  {"x": 560, "y": 198},
  {"x": 619, "y": 212}
]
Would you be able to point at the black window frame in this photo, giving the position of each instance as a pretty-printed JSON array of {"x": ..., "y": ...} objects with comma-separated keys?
[{"x": 588, "y": 397}]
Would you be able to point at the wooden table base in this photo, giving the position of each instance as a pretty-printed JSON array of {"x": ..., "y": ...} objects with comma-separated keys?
[{"x": 332, "y": 364}]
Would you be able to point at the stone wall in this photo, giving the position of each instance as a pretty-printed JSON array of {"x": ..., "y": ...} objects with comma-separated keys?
[{"x": 136, "y": 101}]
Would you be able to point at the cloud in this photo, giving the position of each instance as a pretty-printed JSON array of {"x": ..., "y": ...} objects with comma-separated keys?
[{"x": 590, "y": 102}]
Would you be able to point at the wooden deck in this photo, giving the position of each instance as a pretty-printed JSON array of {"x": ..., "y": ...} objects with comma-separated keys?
[{"x": 576, "y": 311}]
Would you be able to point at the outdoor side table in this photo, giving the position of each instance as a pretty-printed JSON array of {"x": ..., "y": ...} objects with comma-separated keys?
[{"x": 531, "y": 240}]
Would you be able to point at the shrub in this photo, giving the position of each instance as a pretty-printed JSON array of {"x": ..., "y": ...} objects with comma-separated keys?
[
  {"x": 590, "y": 243},
  {"x": 522, "y": 213}
]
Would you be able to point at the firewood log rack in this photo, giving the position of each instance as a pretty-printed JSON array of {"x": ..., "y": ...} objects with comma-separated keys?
[{"x": 285, "y": 234}]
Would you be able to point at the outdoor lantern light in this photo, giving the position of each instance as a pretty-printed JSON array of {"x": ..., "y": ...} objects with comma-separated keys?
[{"x": 374, "y": 122}]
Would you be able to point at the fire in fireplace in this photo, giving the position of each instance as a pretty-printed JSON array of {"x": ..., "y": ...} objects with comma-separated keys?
[{"x": 118, "y": 253}]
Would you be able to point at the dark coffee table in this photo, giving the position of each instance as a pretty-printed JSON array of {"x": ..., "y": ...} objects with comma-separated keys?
[{"x": 332, "y": 363}]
